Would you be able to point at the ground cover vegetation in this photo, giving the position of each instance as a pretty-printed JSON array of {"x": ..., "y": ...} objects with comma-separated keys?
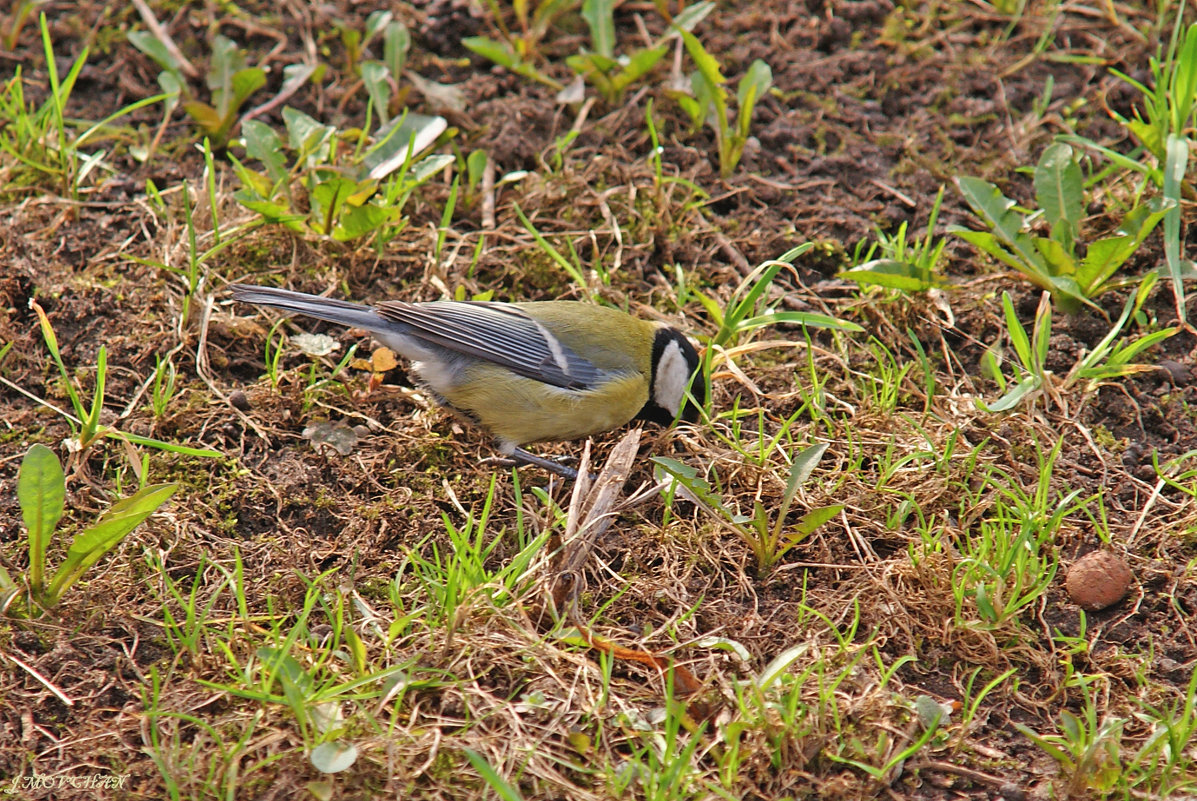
[{"x": 934, "y": 537}]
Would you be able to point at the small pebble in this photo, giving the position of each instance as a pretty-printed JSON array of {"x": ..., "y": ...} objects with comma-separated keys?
[
  {"x": 1098, "y": 580},
  {"x": 1012, "y": 792},
  {"x": 1181, "y": 375},
  {"x": 238, "y": 399}
]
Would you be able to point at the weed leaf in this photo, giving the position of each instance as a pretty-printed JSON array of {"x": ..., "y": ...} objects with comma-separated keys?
[
  {"x": 89, "y": 546},
  {"x": 41, "y": 492}
]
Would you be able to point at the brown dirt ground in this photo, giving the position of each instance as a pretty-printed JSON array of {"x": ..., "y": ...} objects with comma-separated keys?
[{"x": 879, "y": 105}]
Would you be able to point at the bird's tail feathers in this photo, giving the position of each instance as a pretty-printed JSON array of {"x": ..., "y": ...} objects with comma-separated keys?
[{"x": 343, "y": 312}]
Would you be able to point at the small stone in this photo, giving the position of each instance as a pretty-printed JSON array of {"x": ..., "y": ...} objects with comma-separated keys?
[
  {"x": 1098, "y": 580},
  {"x": 1012, "y": 792},
  {"x": 238, "y": 399},
  {"x": 1180, "y": 375}
]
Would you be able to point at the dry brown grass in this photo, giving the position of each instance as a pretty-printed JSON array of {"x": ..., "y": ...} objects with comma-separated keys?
[{"x": 285, "y": 581}]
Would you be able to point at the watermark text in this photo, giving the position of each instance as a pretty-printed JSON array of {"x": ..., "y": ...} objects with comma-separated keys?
[{"x": 65, "y": 781}]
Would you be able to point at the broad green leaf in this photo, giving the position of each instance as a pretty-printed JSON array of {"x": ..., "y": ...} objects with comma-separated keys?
[
  {"x": 358, "y": 221},
  {"x": 41, "y": 493},
  {"x": 809, "y": 522},
  {"x": 1102, "y": 260},
  {"x": 279, "y": 665},
  {"x": 498, "y": 52},
  {"x": 704, "y": 61},
  {"x": 697, "y": 489},
  {"x": 226, "y": 59},
  {"x": 90, "y": 545},
  {"x": 272, "y": 211},
  {"x": 780, "y": 664},
  {"x": 753, "y": 86},
  {"x": 1064, "y": 288},
  {"x": 547, "y": 11},
  {"x": 1067, "y": 293},
  {"x": 1015, "y": 396},
  {"x": 804, "y": 464},
  {"x": 705, "y": 93},
  {"x": 152, "y": 46},
  {"x": 396, "y": 44},
  {"x": 1059, "y": 190},
  {"x": 351, "y": 39},
  {"x": 311, "y": 140},
  {"x": 204, "y": 115},
  {"x": 378, "y": 87},
  {"x": 265, "y": 145},
  {"x": 327, "y": 199},
  {"x": 893, "y": 274},
  {"x": 333, "y": 757},
  {"x": 245, "y": 83},
  {"x": 692, "y": 15},
  {"x": 296, "y": 75},
  {"x": 172, "y": 87},
  {"x": 429, "y": 166},
  {"x": 997, "y": 211},
  {"x": 1056, "y": 255},
  {"x": 712, "y": 307},
  {"x": 590, "y": 65},
  {"x": 400, "y": 142},
  {"x": 638, "y": 66},
  {"x": 475, "y": 166},
  {"x": 600, "y": 18},
  {"x": 1149, "y": 135},
  {"x": 375, "y": 22},
  {"x": 694, "y": 110}
]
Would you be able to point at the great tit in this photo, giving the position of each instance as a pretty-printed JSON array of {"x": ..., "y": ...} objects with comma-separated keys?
[{"x": 527, "y": 372}]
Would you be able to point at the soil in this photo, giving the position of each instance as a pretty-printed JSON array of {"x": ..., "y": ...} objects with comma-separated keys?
[{"x": 876, "y": 106}]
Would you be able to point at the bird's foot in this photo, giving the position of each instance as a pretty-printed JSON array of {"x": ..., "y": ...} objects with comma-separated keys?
[{"x": 519, "y": 456}]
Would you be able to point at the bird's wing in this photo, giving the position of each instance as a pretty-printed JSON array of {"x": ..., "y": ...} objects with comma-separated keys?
[{"x": 495, "y": 332}]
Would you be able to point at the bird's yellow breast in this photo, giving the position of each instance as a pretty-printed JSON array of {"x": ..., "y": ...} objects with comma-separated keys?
[{"x": 519, "y": 410}]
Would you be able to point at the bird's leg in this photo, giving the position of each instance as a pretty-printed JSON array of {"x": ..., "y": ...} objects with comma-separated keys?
[
  {"x": 522, "y": 456},
  {"x": 519, "y": 456}
]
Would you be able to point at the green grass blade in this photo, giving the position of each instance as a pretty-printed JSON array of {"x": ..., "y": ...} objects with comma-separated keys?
[
  {"x": 1018, "y": 335},
  {"x": 1174, "y": 172},
  {"x": 52, "y": 345},
  {"x": 502, "y": 788}
]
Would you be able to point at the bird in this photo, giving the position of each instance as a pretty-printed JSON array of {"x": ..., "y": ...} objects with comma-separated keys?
[{"x": 526, "y": 372}]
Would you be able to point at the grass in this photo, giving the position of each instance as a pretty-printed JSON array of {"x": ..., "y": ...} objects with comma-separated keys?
[{"x": 846, "y": 582}]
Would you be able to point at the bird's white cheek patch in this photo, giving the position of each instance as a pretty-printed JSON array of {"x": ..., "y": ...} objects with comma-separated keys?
[{"x": 673, "y": 373}]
